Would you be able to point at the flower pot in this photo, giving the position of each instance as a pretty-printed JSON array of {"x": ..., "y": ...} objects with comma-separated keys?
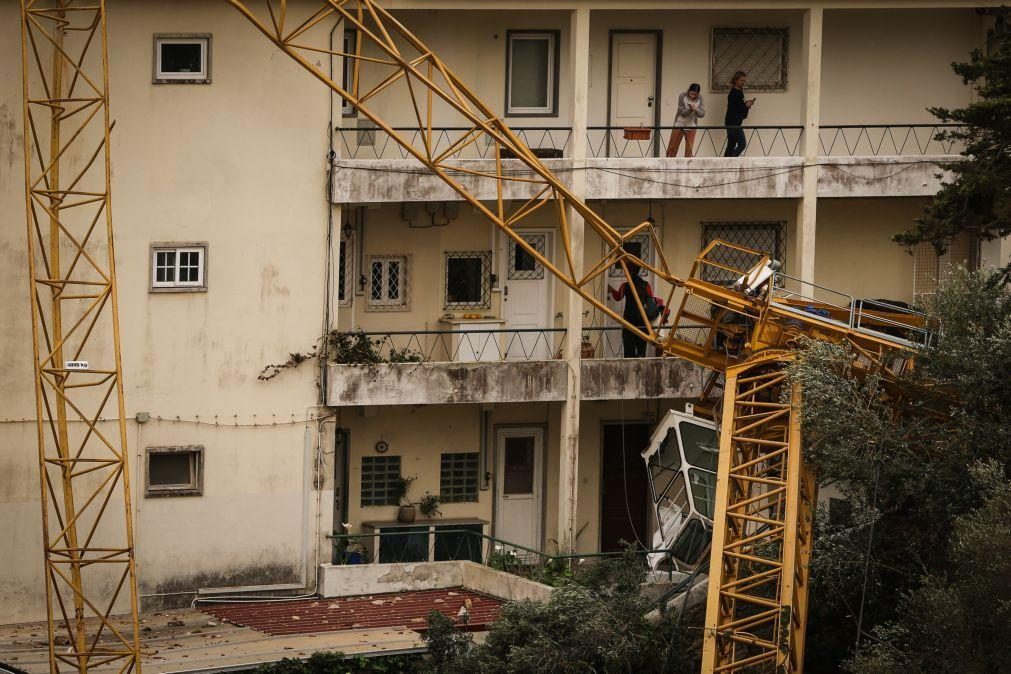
[
  {"x": 637, "y": 133},
  {"x": 407, "y": 514},
  {"x": 587, "y": 350},
  {"x": 355, "y": 558}
]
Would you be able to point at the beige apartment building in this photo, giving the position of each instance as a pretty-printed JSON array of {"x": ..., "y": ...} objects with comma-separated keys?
[{"x": 255, "y": 212}]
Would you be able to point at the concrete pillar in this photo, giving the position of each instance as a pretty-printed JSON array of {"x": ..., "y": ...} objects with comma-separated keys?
[
  {"x": 568, "y": 472},
  {"x": 807, "y": 206}
]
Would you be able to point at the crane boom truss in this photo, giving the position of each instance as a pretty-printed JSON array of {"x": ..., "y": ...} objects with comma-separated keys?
[{"x": 81, "y": 426}]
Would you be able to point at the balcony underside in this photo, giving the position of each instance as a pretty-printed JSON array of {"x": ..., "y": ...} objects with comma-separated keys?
[
  {"x": 404, "y": 180},
  {"x": 507, "y": 382}
]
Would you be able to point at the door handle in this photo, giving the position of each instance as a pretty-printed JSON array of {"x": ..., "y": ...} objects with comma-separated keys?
[
  {"x": 505, "y": 291},
  {"x": 649, "y": 102}
]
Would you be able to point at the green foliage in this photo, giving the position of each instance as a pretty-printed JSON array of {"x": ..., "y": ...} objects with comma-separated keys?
[
  {"x": 599, "y": 626},
  {"x": 399, "y": 489},
  {"x": 959, "y": 621},
  {"x": 977, "y": 199},
  {"x": 906, "y": 474},
  {"x": 429, "y": 505},
  {"x": 347, "y": 348},
  {"x": 335, "y": 662}
]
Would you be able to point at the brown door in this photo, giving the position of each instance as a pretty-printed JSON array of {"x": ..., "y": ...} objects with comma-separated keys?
[{"x": 624, "y": 501}]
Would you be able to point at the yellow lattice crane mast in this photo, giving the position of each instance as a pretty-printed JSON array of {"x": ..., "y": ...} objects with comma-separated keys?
[{"x": 738, "y": 315}]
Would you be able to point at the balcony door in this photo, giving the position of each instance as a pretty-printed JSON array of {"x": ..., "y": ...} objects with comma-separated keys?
[
  {"x": 633, "y": 98},
  {"x": 527, "y": 300},
  {"x": 519, "y": 501}
]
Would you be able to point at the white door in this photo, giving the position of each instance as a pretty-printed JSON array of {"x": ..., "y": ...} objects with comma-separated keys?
[
  {"x": 633, "y": 86},
  {"x": 518, "y": 487},
  {"x": 641, "y": 246},
  {"x": 526, "y": 301}
]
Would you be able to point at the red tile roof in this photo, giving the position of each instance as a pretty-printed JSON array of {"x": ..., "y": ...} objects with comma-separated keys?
[{"x": 409, "y": 609}]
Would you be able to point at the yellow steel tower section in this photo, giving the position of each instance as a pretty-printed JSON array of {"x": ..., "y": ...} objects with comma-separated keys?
[{"x": 84, "y": 478}]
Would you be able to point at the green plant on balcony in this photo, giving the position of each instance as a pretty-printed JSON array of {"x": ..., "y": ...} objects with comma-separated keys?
[
  {"x": 429, "y": 505},
  {"x": 346, "y": 348}
]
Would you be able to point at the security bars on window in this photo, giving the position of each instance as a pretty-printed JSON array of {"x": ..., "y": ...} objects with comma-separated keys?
[
  {"x": 638, "y": 245},
  {"x": 468, "y": 280},
  {"x": 388, "y": 277},
  {"x": 523, "y": 265},
  {"x": 458, "y": 480},
  {"x": 768, "y": 237},
  {"x": 379, "y": 473},
  {"x": 763, "y": 53}
]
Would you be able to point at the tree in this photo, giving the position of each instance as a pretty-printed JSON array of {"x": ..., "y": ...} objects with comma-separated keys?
[
  {"x": 977, "y": 200},
  {"x": 906, "y": 475}
]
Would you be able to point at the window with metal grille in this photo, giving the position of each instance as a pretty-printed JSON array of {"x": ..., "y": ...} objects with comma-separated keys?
[
  {"x": 929, "y": 268},
  {"x": 345, "y": 272},
  {"x": 763, "y": 53},
  {"x": 769, "y": 237},
  {"x": 379, "y": 474},
  {"x": 458, "y": 480},
  {"x": 388, "y": 283},
  {"x": 523, "y": 265},
  {"x": 468, "y": 280},
  {"x": 175, "y": 267},
  {"x": 639, "y": 246},
  {"x": 175, "y": 471}
]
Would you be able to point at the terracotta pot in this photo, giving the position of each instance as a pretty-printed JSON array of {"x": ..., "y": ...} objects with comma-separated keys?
[
  {"x": 407, "y": 514},
  {"x": 587, "y": 350}
]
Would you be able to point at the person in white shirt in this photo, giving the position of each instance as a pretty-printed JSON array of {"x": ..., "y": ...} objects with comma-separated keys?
[{"x": 690, "y": 110}]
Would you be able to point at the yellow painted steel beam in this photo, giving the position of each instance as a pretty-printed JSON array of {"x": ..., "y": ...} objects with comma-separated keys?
[{"x": 83, "y": 471}]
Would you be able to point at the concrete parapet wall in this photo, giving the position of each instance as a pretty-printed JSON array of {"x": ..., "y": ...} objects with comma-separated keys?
[{"x": 364, "y": 579}]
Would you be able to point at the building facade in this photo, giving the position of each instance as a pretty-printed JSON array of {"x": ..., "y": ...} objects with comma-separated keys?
[{"x": 258, "y": 216}]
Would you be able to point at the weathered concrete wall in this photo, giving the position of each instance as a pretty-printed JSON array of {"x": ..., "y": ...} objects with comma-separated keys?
[
  {"x": 507, "y": 382},
  {"x": 392, "y": 181},
  {"x": 357, "y": 579}
]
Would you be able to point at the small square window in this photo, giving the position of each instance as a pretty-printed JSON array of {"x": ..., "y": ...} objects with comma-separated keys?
[
  {"x": 379, "y": 474},
  {"x": 175, "y": 268},
  {"x": 532, "y": 73},
  {"x": 182, "y": 59},
  {"x": 764, "y": 53},
  {"x": 458, "y": 478},
  {"x": 175, "y": 471},
  {"x": 468, "y": 280},
  {"x": 388, "y": 277},
  {"x": 768, "y": 237}
]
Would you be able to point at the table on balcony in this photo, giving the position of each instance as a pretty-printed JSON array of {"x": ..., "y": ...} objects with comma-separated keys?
[
  {"x": 436, "y": 540},
  {"x": 473, "y": 339}
]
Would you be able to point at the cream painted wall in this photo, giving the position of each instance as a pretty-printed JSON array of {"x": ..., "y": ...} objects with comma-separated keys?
[
  {"x": 888, "y": 66},
  {"x": 233, "y": 164}
]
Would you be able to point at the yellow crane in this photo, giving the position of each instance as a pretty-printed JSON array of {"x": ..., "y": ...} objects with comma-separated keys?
[{"x": 738, "y": 315}]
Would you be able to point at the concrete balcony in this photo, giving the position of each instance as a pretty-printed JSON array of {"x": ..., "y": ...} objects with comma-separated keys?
[{"x": 856, "y": 161}]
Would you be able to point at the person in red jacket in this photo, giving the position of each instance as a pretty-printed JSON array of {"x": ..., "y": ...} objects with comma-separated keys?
[{"x": 633, "y": 345}]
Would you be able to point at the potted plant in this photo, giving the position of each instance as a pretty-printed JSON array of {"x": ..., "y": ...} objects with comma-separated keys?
[
  {"x": 401, "y": 486},
  {"x": 429, "y": 505},
  {"x": 586, "y": 348}
]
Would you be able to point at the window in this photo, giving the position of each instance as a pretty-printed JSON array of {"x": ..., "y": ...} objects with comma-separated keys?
[
  {"x": 638, "y": 245},
  {"x": 929, "y": 267},
  {"x": 182, "y": 59},
  {"x": 388, "y": 283},
  {"x": 458, "y": 480},
  {"x": 763, "y": 53},
  {"x": 768, "y": 237},
  {"x": 523, "y": 265},
  {"x": 178, "y": 267},
  {"x": 532, "y": 73},
  {"x": 347, "y": 80},
  {"x": 345, "y": 271},
  {"x": 175, "y": 471},
  {"x": 379, "y": 473},
  {"x": 468, "y": 280}
]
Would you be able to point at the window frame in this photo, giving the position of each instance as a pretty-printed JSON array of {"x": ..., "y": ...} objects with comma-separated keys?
[
  {"x": 485, "y": 279},
  {"x": 449, "y": 495},
  {"x": 158, "y": 76},
  {"x": 778, "y": 229},
  {"x": 195, "y": 487},
  {"x": 554, "y": 68},
  {"x": 348, "y": 44},
  {"x": 176, "y": 285},
  {"x": 382, "y": 458},
  {"x": 784, "y": 58},
  {"x": 403, "y": 303}
]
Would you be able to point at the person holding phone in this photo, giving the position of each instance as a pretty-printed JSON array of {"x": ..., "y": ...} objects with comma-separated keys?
[
  {"x": 737, "y": 111},
  {"x": 690, "y": 110}
]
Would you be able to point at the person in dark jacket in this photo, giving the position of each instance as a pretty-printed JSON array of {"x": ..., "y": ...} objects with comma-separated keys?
[
  {"x": 633, "y": 345},
  {"x": 737, "y": 112}
]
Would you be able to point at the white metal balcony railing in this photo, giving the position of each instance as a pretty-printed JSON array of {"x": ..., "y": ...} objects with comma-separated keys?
[{"x": 554, "y": 142}]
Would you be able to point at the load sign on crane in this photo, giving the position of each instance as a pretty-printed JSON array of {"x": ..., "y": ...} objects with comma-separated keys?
[{"x": 740, "y": 501}]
